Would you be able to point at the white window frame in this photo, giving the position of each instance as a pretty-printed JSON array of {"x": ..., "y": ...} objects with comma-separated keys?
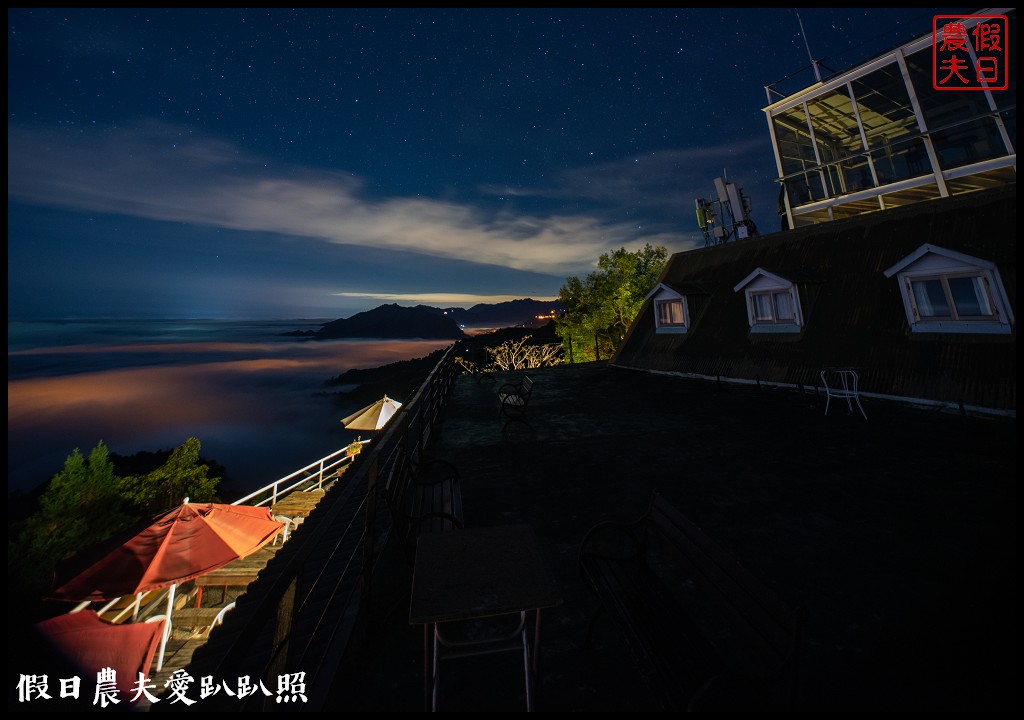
[
  {"x": 663, "y": 295},
  {"x": 933, "y": 263},
  {"x": 761, "y": 284}
]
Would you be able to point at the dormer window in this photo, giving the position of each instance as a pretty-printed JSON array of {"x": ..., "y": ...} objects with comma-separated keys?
[
  {"x": 947, "y": 291},
  {"x": 952, "y": 297},
  {"x": 773, "y": 304},
  {"x": 671, "y": 313}
]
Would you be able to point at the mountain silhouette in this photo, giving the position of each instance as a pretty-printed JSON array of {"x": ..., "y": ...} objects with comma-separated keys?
[
  {"x": 432, "y": 323},
  {"x": 394, "y": 322}
]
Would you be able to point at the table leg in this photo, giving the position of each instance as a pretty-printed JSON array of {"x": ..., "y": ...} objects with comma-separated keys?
[
  {"x": 436, "y": 669},
  {"x": 536, "y": 642},
  {"x": 526, "y": 674},
  {"x": 828, "y": 393},
  {"x": 844, "y": 376},
  {"x": 427, "y": 675},
  {"x": 532, "y": 663}
]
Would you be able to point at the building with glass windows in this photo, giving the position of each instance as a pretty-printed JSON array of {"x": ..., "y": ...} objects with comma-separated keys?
[
  {"x": 881, "y": 135},
  {"x": 897, "y": 275}
]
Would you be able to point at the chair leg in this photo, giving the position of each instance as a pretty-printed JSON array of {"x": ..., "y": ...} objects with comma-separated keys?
[{"x": 526, "y": 670}]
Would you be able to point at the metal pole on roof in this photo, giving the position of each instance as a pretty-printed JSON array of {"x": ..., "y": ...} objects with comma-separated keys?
[{"x": 814, "y": 63}]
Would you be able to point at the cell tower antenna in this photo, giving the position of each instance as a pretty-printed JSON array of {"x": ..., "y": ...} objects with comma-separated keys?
[
  {"x": 728, "y": 217},
  {"x": 814, "y": 63}
]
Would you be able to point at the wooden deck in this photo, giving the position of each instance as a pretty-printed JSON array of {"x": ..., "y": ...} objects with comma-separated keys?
[
  {"x": 298, "y": 504},
  {"x": 201, "y": 599}
]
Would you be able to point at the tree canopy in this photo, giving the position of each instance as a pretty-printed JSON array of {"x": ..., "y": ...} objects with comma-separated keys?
[
  {"x": 167, "y": 487},
  {"x": 601, "y": 307},
  {"x": 86, "y": 503}
]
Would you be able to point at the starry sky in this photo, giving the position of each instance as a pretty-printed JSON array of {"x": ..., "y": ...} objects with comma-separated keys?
[{"x": 283, "y": 163}]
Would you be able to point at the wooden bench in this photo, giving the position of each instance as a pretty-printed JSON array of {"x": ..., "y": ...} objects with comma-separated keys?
[
  {"x": 704, "y": 631},
  {"x": 422, "y": 496},
  {"x": 514, "y": 398}
]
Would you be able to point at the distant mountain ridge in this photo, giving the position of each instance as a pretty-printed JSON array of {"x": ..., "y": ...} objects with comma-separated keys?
[
  {"x": 514, "y": 313},
  {"x": 432, "y": 323},
  {"x": 394, "y": 322}
]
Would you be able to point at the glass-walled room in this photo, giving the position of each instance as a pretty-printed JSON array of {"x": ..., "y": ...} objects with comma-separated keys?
[{"x": 882, "y": 136}]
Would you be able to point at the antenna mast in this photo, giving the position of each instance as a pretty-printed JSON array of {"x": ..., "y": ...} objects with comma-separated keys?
[
  {"x": 727, "y": 218},
  {"x": 814, "y": 63}
]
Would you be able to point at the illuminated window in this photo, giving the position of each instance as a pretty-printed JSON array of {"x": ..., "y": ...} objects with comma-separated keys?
[
  {"x": 947, "y": 291},
  {"x": 671, "y": 313},
  {"x": 773, "y": 303}
]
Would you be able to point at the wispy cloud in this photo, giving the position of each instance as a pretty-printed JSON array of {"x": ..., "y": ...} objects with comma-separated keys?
[
  {"x": 162, "y": 172},
  {"x": 664, "y": 178}
]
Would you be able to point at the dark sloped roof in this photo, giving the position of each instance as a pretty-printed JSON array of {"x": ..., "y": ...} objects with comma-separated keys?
[{"x": 853, "y": 314}]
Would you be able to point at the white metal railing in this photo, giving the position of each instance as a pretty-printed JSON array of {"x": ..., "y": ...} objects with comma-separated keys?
[
  {"x": 427, "y": 402},
  {"x": 331, "y": 568},
  {"x": 311, "y": 477}
]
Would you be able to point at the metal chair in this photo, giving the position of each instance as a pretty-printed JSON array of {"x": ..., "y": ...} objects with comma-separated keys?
[
  {"x": 845, "y": 384},
  {"x": 286, "y": 532}
]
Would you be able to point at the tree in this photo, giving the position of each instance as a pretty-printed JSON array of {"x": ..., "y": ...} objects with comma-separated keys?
[
  {"x": 81, "y": 506},
  {"x": 518, "y": 355},
  {"x": 167, "y": 487},
  {"x": 601, "y": 307},
  {"x": 87, "y": 503}
]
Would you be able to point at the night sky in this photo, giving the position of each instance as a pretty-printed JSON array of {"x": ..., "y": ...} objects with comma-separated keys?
[{"x": 316, "y": 163}]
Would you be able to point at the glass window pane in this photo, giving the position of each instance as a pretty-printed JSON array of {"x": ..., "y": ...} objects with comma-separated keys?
[
  {"x": 901, "y": 160},
  {"x": 670, "y": 312},
  {"x": 968, "y": 143},
  {"x": 930, "y": 299},
  {"x": 942, "y": 109},
  {"x": 675, "y": 311},
  {"x": 835, "y": 125},
  {"x": 796, "y": 151},
  {"x": 762, "y": 307},
  {"x": 784, "y": 307},
  {"x": 884, "y": 105},
  {"x": 1010, "y": 123},
  {"x": 969, "y": 297}
]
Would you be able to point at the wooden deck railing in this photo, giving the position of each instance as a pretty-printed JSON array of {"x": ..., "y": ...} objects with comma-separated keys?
[
  {"x": 307, "y": 608},
  {"x": 315, "y": 476}
]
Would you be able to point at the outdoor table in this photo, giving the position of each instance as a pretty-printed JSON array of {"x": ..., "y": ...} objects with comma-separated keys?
[{"x": 469, "y": 575}]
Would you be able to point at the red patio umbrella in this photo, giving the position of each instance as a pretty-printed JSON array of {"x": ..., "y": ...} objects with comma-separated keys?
[
  {"x": 88, "y": 643},
  {"x": 189, "y": 541}
]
